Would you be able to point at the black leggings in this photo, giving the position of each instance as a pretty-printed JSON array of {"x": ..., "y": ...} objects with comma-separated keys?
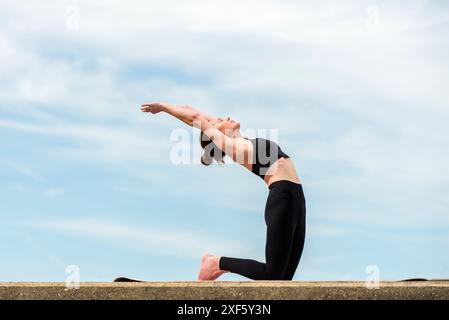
[{"x": 285, "y": 217}]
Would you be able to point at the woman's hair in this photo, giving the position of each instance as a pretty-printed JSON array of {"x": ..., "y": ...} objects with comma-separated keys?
[{"x": 211, "y": 151}]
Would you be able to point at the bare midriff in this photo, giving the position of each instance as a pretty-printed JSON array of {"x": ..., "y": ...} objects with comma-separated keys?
[{"x": 282, "y": 169}]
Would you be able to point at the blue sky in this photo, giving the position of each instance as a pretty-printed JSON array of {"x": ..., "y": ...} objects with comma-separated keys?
[{"x": 357, "y": 92}]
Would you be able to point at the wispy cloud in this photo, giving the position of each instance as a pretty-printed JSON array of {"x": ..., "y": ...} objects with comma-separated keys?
[
  {"x": 54, "y": 192},
  {"x": 22, "y": 169},
  {"x": 95, "y": 142},
  {"x": 164, "y": 240}
]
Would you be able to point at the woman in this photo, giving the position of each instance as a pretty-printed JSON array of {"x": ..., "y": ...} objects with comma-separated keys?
[{"x": 285, "y": 211}]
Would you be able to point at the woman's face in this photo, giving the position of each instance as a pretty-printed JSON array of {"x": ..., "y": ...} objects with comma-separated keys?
[{"x": 226, "y": 125}]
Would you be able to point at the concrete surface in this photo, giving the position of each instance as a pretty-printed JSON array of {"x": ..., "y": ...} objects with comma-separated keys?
[{"x": 226, "y": 290}]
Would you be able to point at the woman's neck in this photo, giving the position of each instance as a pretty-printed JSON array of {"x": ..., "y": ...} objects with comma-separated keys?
[{"x": 236, "y": 134}]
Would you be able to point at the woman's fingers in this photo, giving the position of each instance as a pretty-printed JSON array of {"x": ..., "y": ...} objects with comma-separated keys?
[
  {"x": 148, "y": 107},
  {"x": 154, "y": 107},
  {"x": 154, "y": 104}
]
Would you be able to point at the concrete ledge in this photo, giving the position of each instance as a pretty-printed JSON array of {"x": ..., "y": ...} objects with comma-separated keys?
[{"x": 226, "y": 290}]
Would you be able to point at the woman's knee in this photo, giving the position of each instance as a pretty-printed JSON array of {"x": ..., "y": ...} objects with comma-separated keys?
[{"x": 275, "y": 272}]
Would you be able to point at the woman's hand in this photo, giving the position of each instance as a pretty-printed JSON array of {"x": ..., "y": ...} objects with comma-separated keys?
[
  {"x": 154, "y": 107},
  {"x": 185, "y": 113}
]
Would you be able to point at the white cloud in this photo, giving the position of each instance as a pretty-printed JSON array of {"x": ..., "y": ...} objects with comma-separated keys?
[
  {"x": 54, "y": 192},
  {"x": 95, "y": 142},
  {"x": 166, "y": 240},
  {"x": 21, "y": 187},
  {"x": 20, "y": 168},
  {"x": 297, "y": 49},
  {"x": 317, "y": 48}
]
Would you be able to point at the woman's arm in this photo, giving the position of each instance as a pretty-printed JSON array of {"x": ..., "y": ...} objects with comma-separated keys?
[
  {"x": 184, "y": 113},
  {"x": 237, "y": 148}
]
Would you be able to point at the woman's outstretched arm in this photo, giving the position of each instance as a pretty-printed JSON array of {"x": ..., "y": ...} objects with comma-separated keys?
[
  {"x": 190, "y": 116},
  {"x": 186, "y": 114},
  {"x": 236, "y": 148}
]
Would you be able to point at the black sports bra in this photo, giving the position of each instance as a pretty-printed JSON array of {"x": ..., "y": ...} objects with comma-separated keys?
[{"x": 266, "y": 152}]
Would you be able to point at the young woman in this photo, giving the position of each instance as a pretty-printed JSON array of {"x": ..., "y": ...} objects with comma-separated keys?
[{"x": 285, "y": 210}]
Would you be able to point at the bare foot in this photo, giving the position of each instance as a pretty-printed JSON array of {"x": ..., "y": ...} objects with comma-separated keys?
[{"x": 210, "y": 268}]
